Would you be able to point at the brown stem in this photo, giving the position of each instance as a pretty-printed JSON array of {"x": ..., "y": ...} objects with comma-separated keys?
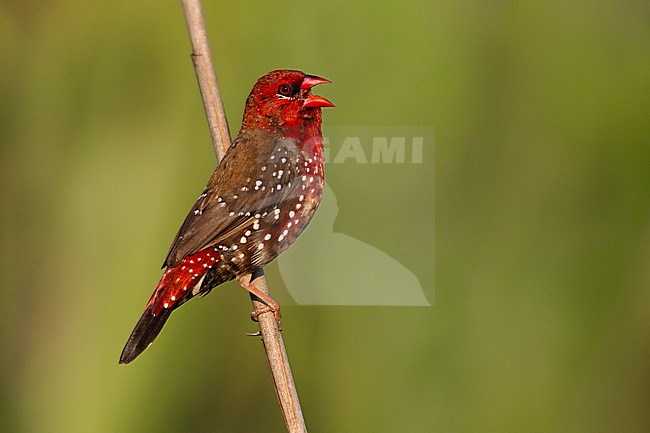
[{"x": 218, "y": 124}]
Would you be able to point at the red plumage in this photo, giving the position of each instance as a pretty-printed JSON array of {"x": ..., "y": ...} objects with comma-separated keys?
[{"x": 259, "y": 199}]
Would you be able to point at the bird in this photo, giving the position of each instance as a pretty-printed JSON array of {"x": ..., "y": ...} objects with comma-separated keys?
[{"x": 259, "y": 199}]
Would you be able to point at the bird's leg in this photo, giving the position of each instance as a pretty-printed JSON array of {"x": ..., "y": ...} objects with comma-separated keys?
[{"x": 271, "y": 305}]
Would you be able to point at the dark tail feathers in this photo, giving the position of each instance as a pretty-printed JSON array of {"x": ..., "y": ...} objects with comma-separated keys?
[{"x": 146, "y": 330}]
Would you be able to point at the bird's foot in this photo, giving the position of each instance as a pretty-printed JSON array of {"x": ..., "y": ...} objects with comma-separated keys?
[{"x": 273, "y": 308}]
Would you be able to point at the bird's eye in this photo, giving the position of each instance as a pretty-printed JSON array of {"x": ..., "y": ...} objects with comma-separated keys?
[{"x": 284, "y": 90}]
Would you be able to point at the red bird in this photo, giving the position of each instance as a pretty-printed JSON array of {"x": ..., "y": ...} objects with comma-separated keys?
[{"x": 259, "y": 199}]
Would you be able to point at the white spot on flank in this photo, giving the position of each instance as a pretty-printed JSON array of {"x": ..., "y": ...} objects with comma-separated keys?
[
  {"x": 301, "y": 198},
  {"x": 304, "y": 178},
  {"x": 256, "y": 225},
  {"x": 260, "y": 246},
  {"x": 284, "y": 233},
  {"x": 267, "y": 237},
  {"x": 289, "y": 224},
  {"x": 280, "y": 172},
  {"x": 291, "y": 214},
  {"x": 298, "y": 205},
  {"x": 166, "y": 305},
  {"x": 283, "y": 160},
  {"x": 258, "y": 182},
  {"x": 272, "y": 156},
  {"x": 247, "y": 233},
  {"x": 232, "y": 214},
  {"x": 242, "y": 240},
  {"x": 173, "y": 298},
  {"x": 241, "y": 256},
  {"x": 280, "y": 238},
  {"x": 279, "y": 187},
  {"x": 234, "y": 247},
  {"x": 263, "y": 168}
]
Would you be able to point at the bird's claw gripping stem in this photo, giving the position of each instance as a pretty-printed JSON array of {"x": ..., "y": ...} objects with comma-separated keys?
[
  {"x": 267, "y": 309},
  {"x": 270, "y": 304}
]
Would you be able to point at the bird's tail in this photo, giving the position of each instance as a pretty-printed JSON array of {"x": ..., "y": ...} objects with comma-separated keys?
[
  {"x": 194, "y": 275},
  {"x": 174, "y": 289},
  {"x": 145, "y": 331}
]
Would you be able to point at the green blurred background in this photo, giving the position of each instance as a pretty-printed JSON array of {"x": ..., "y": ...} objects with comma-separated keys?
[{"x": 542, "y": 217}]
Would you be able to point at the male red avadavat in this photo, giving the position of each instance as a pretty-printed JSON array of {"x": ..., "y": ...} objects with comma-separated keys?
[{"x": 259, "y": 199}]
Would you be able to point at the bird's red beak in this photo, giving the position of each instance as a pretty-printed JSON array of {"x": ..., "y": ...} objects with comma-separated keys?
[{"x": 314, "y": 101}]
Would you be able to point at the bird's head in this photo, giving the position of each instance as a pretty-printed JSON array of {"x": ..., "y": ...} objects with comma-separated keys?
[{"x": 282, "y": 100}]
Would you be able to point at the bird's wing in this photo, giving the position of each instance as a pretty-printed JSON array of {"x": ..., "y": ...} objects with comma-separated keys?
[{"x": 242, "y": 189}]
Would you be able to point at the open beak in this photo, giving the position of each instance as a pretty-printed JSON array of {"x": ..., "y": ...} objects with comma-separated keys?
[{"x": 314, "y": 101}]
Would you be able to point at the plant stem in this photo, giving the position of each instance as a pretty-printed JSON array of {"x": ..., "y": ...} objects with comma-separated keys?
[{"x": 274, "y": 349}]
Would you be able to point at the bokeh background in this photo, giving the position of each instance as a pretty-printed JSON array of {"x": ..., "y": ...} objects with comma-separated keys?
[{"x": 540, "y": 220}]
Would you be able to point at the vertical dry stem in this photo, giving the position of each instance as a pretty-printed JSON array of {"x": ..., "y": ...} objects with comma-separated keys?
[{"x": 271, "y": 337}]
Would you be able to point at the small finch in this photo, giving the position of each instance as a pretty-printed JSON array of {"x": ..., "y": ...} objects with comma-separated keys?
[{"x": 259, "y": 199}]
